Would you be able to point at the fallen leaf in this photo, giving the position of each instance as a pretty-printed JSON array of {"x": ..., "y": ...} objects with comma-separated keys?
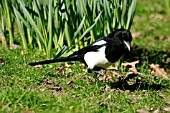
[
  {"x": 56, "y": 87},
  {"x": 67, "y": 66},
  {"x": 116, "y": 74},
  {"x": 166, "y": 109},
  {"x": 106, "y": 87},
  {"x": 105, "y": 77},
  {"x": 47, "y": 82},
  {"x": 132, "y": 66},
  {"x": 161, "y": 37},
  {"x": 130, "y": 75},
  {"x": 59, "y": 69},
  {"x": 168, "y": 103},
  {"x": 156, "y": 111},
  {"x": 81, "y": 65},
  {"x": 158, "y": 71},
  {"x": 142, "y": 111},
  {"x": 26, "y": 111},
  {"x": 14, "y": 46},
  {"x": 136, "y": 34},
  {"x": 157, "y": 16},
  {"x": 85, "y": 70},
  {"x": 71, "y": 84}
]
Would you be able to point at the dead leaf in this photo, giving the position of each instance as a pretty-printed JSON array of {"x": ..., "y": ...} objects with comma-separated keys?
[
  {"x": 26, "y": 111},
  {"x": 71, "y": 84},
  {"x": 142, "y": 111},
  {"x": 136, "y": 34},
  {"x": 59, "y": 69},
  {"x": 56, "y": 87},
  {"x": 158, "y": 71},
  {"x": 67, "y": 66},
  {"x": 161, "y": 37},
  {"x": 116, "y": 74},
  {"x": 106, "y": 87},
  {"x": 14, "y": 46},
  {"x": 156, "y": 111},
  {"x": 132, "y": 66},
  {"x": 81, "y": 65},
  {"x": 85, "y": 70},
  {"x": 168, "y": 103},
  {"x": 105, "y": 77},
  {"x": 130, "y": 75},
  {"x": 47, "y": 82},
  {"x": 157, "y": 16},
  {"x": 166, "y": 109}
]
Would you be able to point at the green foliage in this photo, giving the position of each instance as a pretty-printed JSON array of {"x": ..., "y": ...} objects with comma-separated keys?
[
  {"x": 66, "y": 25},
  {"x": 7, "y": 21},
  {"x": 167, "y": 4}
]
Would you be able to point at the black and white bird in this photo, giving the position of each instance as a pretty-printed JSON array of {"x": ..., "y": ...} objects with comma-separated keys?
[{"x": 101, "y": 53}]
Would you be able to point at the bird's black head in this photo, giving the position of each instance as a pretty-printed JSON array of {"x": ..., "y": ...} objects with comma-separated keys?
[{"x": 124, "y": 35}]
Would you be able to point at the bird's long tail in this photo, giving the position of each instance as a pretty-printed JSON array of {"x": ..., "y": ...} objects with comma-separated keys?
[{"x": 64, "y": 59}]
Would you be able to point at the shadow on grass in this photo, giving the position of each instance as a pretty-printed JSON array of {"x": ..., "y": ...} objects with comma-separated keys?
[
  {"x": 123, "y": 85},
  {"x": 151, "y": 56}
]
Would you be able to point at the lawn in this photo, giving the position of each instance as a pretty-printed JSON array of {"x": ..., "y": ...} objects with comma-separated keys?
[{"x": 67, "y": 87}]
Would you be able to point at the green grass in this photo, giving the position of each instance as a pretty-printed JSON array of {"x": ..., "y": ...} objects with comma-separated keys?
[{"x": 49, "y": 90}]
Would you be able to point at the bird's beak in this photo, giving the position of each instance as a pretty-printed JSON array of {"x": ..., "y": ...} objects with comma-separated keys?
[{"x": 127, "y": 44}]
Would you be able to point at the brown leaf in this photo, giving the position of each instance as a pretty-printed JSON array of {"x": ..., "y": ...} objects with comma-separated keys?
[
  {"x": 157, "y": 16},
  {"x": 158, "y": 71},
  {"x": 142, "y": 111},
  {"x": 59, "y": 69},
  {"x": 130, "y": 75},
  {"x": 105, "y": 77},
  {"x": 47, "y": 82},
  {"x": 81, "y": 65},
  {"x": 136, "y": 34},
  {"x": 26, "y": 111},
  {"x": 71, "y": 84},
  {"x": 67, "y": 66},
  {"x": 106, "y": 87},
  {"x": 116, "y": 74},
  {"x": 156, "y": 111},
  {"x": 132, "y": 66},
  {"x": 166, "y": 109},
  {"x": 56, "y": 87},
  {"x": 14, "y": 46},
  {"x": 161, "y": 37}
]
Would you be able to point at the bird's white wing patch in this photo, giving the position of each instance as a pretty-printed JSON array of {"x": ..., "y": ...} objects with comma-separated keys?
[
  {"x": 97, "y": 59},
  {"x": 101, "y": 42}
]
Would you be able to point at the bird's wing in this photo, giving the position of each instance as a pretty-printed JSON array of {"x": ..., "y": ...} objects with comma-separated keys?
[
  {"x": 92, "y": 47},
  {"x": 89, "y": 48}
]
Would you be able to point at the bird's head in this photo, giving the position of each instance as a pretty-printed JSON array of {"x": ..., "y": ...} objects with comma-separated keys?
[{"x": 125, "y": 36}]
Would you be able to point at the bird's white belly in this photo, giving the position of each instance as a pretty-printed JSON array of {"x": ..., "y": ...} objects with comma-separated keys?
[{"x": 96, "y": 59}]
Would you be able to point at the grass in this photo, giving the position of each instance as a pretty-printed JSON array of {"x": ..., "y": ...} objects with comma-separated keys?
[{"x": 66, "y": 87}]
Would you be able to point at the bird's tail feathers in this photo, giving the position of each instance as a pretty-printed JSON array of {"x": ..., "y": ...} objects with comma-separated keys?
[{"x": 64, "y": 59}]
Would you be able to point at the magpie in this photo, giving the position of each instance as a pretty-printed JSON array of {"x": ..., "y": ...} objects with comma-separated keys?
[{"x": 101, "y": 53}]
